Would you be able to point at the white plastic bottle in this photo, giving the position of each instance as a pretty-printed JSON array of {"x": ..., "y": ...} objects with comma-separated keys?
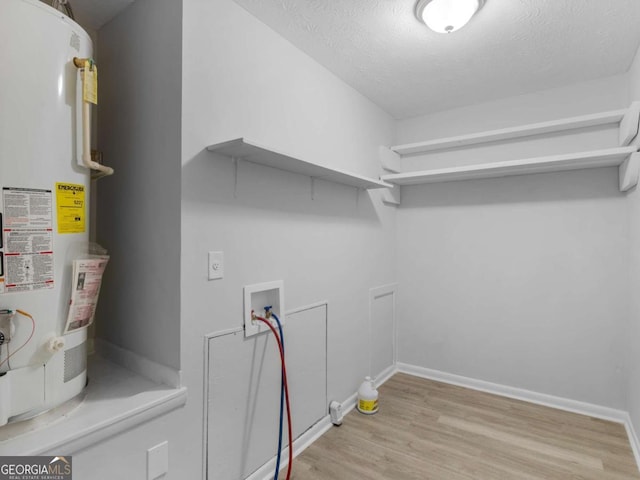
[{"x": 367, "y": 397}]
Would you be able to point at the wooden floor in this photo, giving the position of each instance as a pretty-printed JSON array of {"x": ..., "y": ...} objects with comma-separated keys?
[{"x": 430, "y": 430}]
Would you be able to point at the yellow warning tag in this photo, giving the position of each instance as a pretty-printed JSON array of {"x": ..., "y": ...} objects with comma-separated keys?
[
  {"x": 70, "y": 207},
  {"x": 90, "y": 83}
]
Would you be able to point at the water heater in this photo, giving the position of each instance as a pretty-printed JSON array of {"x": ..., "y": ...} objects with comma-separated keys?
[{"x": 44, "y": 195}]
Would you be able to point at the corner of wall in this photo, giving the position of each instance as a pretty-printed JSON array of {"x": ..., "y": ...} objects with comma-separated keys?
[
  {"x": 138, "y": 208},
  {"x": 633, "y": 349},
  {"x": 634, "y": 76}
]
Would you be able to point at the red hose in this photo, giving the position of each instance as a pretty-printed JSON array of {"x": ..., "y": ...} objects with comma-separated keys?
[{"x": 286, "y": 393}]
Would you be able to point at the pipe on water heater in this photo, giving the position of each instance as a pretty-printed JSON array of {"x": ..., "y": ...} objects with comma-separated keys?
[{"x": 86, "y": 130}]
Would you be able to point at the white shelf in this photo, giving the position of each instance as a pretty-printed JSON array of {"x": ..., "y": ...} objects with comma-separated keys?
[
  {"x": 624, "y": 157},
  {"x": 627, "y": 118},
  {"x": 250, "y": 151}
]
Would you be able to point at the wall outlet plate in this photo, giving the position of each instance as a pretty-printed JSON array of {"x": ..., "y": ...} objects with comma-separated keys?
[
  {"x": 258, "y": 296},
  {"x": 216, "y": 265}
]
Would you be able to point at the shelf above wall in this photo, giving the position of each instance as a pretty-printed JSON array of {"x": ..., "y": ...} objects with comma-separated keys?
[
  {"x": 627, "y": 119},
  {"x": 626, "y": 158},
  {"x": 241, "y": 148}
]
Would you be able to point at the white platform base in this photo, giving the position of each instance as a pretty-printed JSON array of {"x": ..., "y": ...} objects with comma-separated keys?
[
  {"x": 142, "y": 366},
  {"x": 116, "y": 400}
]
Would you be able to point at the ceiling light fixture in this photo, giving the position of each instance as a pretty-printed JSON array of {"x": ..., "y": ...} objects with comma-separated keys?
[{"x": 446, "y": 16}]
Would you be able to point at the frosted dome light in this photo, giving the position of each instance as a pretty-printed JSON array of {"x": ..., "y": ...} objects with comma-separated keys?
[{"x": 446, "y": 16}]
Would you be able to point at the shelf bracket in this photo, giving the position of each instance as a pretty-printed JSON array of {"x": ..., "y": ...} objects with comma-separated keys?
[
  {"x": 392, "y": 196},
  {"x": 391, "y": 163},
  {"x": 629, "y": 172},
  {"x": 629, "y": 124}
]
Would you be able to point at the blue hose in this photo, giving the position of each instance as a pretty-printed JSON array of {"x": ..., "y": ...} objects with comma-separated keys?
[{"x": 281, "y": 401}]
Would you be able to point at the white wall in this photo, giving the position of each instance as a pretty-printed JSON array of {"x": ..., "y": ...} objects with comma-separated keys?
[
  {"x": 578, "y": 99},
  {"x": 139, "y": 206},
  {"x": 520, "y": 281},
  {"x": 242, "y": 79},
  {"x": 238, "y": 78},
  {"x": 633, "y": 398},
  {"x": 634, "y": 77}
]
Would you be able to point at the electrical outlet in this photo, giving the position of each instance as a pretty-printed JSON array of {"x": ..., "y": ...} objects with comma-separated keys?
[{"x": 216, "y": 265}]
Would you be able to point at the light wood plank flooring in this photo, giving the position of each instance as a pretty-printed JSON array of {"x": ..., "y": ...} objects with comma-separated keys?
[{"x": 429, "y": 430}]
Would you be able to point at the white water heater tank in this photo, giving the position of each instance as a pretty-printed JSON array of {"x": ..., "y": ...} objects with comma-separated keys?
[{"x": 44, "y": 195}]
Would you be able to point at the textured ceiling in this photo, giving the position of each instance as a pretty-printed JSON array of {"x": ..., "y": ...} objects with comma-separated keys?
[{"x": 510, "y": 47}]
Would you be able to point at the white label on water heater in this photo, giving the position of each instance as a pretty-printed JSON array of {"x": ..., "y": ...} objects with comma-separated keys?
[
  {"x": 28, "y": 239},
  {"x": 27, "y": 208}
]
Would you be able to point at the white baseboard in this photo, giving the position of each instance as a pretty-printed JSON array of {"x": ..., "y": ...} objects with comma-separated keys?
[
  {"x": 136, "y": 363},
  {"x": 575, "y": 406},
  {"x": 350, "y": 403},
  {"x": 385, "y": 375},
  {"x": 633, "y": 439}
]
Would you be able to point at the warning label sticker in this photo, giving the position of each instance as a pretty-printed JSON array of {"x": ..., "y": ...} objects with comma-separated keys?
[
  {"x": 27, "y": 240},
  {"x": 29, "y": 272},
  {"x": 26, "y": 208},
  {"x": 70, "y": 207}
]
